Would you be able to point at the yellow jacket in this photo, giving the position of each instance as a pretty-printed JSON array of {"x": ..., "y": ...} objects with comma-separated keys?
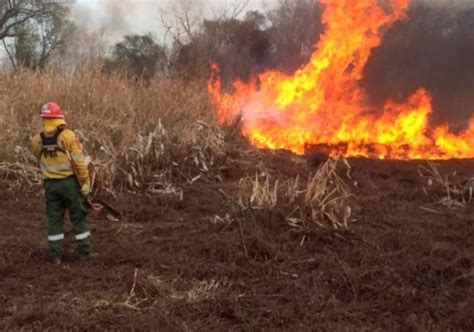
[{"x": 59, "y": 166}]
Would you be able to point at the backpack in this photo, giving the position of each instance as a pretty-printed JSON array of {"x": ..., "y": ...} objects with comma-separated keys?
[{"x": 50, "y": 144}]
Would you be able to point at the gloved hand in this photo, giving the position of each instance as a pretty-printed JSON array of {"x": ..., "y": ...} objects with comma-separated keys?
[{"x": 86, "y": 190}]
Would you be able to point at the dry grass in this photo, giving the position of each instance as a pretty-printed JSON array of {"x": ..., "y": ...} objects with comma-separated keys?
[
  {"x": 139, "y": 136},
  {"x": 324, "y": 201},
  {"x": 20, "y": 170},
  {"x": 327, "y": 197},
  {"x": 258, "y": 193},
  {"x": 148, "y": 290},
  {"x": 447, "y": 190}
]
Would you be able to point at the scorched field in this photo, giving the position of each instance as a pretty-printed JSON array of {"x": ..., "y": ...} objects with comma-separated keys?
[
  {"x": 201, "y": 261},
  {"x": 282, "y": 202}
]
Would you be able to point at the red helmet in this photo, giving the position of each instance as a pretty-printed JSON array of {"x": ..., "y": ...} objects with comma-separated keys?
[{"x": 51, "y": 111}]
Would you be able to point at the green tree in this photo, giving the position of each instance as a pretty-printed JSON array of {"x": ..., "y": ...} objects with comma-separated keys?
[{"x": 140, "y": 55}]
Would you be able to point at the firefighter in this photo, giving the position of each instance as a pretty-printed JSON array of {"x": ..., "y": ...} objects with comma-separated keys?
[{"x": 66, "y": 181}]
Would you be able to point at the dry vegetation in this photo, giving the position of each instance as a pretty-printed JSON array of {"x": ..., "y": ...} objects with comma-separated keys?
[
  {"x": 324, "y": 201},
  {"x": 139, "y": 135},
  {"x": 155, "y": 138},
  {"x": 451, "y": 191}
]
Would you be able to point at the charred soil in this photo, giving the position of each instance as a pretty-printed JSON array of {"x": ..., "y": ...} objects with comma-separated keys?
[{"x": 405, "y": 263}]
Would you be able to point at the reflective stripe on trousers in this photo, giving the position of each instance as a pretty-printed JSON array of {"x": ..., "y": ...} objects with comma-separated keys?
[
  {"x": 54, "y": 238},
  {"x": 83, "y": 236}
]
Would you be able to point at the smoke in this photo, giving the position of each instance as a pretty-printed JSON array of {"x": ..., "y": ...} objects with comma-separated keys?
[{"x": 116, "y": 18}]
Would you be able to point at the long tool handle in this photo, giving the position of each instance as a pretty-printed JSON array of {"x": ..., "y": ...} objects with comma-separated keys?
[
  {"x": 93, "y": 206},
  {"x": 97, "y": 207}
]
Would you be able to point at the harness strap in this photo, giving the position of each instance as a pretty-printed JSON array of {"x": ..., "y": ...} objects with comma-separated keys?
[{"x": 50, "y": 144}]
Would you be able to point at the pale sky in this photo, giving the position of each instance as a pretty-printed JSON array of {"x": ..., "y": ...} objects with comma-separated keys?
[{"x": 121, "y": 17}]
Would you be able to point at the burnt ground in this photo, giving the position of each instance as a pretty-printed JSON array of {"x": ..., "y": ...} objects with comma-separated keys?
[{"x": 171, "y": 265}]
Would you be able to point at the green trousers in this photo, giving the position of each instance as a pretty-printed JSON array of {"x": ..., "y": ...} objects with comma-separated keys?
[{"x": 62, "y": 195}]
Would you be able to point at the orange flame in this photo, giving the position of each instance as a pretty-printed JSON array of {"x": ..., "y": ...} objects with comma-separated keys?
[{"x": 323, "y": 106}]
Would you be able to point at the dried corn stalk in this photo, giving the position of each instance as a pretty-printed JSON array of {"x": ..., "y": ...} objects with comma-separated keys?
[
  {"x": 207, "y": 145},
  {"x": 453, "y": 194},
  {"x": 324, "y": 200},
  {"x": 327, "y": 196},
  {"x": 17, "y": 175},
  {"x": 257, "y": 193}
]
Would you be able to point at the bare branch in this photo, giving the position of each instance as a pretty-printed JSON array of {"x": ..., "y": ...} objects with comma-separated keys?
[
  {"x": 181, "y": 19},
  {"x": 9, "y": 53},
  {"x": 230, "y": 12},
  {"x": 18, "y": 13}
]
